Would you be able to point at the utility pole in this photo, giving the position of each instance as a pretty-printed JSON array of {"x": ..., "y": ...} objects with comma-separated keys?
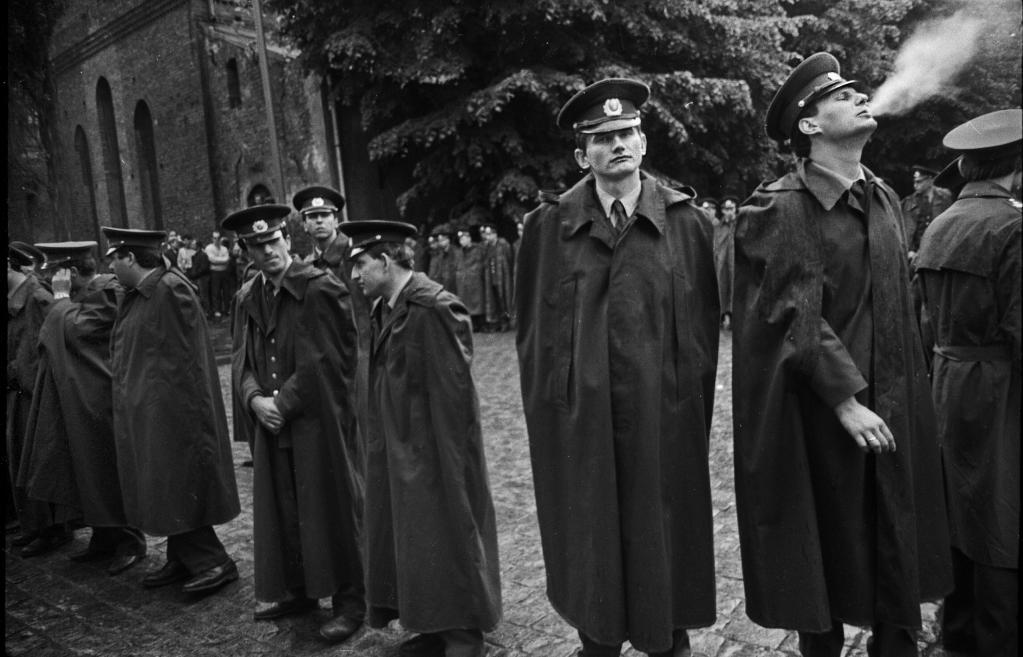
[{"x": 271, "y": 121}]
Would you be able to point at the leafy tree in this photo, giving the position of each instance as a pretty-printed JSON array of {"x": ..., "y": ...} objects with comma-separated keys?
[{"x": 467, "y": 92}]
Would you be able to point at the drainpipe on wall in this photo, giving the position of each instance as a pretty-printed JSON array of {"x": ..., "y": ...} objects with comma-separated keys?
[{"x": 271, "y": 122}]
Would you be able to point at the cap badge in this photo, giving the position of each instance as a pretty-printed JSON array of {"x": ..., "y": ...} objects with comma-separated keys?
[
  {"x": 260, "y": 226},
  {"x": 317, "y": 202},
  {"x": 834, "y": 77},
  {"x": 612, "y": 107}
]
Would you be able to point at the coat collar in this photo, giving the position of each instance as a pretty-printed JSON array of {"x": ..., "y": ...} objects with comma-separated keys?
[
  {"x": 580, "y": 205},
  {"x": 420, "y": 290},
  {"x": 985, "y": 189},
  {"x": 148, "y": 285},
  {"x": 822, "y": 184},
  {"x": 17, "y": 301},
  {"x": 295, "y": 282}
]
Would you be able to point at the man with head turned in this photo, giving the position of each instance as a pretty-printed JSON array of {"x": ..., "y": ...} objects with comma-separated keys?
[
  {"x": 617, "y": 307},
  {"x": 170, "y": 430},
  {"x": 838, "y": 490},
  {"x": 70, "y": 455},
  {"x": 294, "y": 355},
  {"x": 968, "y": 269},
  {"x": 430, "y": 531}
]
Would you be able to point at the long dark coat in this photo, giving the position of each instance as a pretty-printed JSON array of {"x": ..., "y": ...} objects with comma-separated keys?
[
  {"x": 26, "y": 311},
  {"x": 442, "y": 268},
  {"x": 302, "y": 351},
  {"x": 969, "y": 264},
  {"x": 497, "y": 280},
  {"x": 724, "y": 260},
  {"x": 431, "y": 537},
  {"x": 70, "y": 458},
  {"x": 173, "y": 450},
  {"x": 617, "y": 345},
  {"x": 827, "y": 531},
  {"x": 469, "y": 277}
]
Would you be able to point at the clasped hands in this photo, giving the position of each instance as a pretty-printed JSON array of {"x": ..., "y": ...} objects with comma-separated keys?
[{"x": 267, "y": 413}]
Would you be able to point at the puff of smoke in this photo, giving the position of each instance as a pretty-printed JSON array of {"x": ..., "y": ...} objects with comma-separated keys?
[{"x": 928, "y": 62}]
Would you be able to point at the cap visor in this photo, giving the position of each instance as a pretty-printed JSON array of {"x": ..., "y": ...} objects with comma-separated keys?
[{"x": 611, "y": 126}]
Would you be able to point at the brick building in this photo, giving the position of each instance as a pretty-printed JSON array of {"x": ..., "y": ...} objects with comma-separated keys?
[{"x": 162, "y": 121}]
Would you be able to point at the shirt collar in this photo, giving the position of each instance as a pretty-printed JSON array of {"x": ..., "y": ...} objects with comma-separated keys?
[
  {"x": 826, "y": 185},
  {"x": 629, "y": 201}
]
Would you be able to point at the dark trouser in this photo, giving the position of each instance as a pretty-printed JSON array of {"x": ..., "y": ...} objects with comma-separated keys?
[
  {"x": 981, "y": 615},
  {"x": 198, "y": 549},
  {"x": 350, "y": 602},
  {"x": 220, "y": 295},
  {"x": 119, "y": 540},
  {"x": 885, "y": 641},
  {"x": 680, "y": 644}
]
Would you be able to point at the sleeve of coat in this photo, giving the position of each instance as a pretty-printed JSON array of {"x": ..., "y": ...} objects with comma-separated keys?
[
  {"x": 243, "y": 383},
  {"x": 92, "y": 319},
  {"x": 445, "y": 350},
  {"x": 1008, "y": 291},
  {"x": 327, "y": 348}
]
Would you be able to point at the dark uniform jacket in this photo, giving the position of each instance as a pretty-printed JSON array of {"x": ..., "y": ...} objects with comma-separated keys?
[
  {"x": 617, "y": 343},
  {"x": 822, "y": 312},
  {"x": 431, "y": 537},
  {"x": 70, "y": 458},
  {"x": 918, "y": 211},
  {"x": 301, "y": 350},
  {"x": 969, "y": 265},
  {"x": 442, "y": 268},
  {"x": 173, "y": 450}
]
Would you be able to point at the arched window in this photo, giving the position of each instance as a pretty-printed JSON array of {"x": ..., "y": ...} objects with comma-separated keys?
[
  {"x": 86, "y": 188},
  {"x": 259, "y": 195},
  {"x": 234, "y": 88},
  {"x": 149, "y": 181},
  {"x": 111, "y": 154}
]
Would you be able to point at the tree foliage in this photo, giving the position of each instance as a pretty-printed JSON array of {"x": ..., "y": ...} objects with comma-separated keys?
[{"x": 465, "y": 93}]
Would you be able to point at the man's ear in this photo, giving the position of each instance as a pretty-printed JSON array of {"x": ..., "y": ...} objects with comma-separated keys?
[
  {"x": 580, "y": 159},
  {"x": 808, "y": 126}
]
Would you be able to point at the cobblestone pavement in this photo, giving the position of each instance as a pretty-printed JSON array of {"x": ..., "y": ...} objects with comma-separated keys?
[{"x": 55, "y": 607}]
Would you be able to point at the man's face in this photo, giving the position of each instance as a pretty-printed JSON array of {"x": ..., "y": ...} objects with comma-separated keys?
[
  {"x": 443, "y": 242},
  {"x": 271, "y": 258},
  {"x": 921, "y": 181},
  {"x": 321, "y": 225},
  {"x": 520, "y": 228},
  {"x": 841, "y": 114},
  {"x": 215, "y": 238},
  {"x": 371, "y": 274},
  {"x": 613, "y": 155},
  {"x": 121, "y": 265},
  {"x": 488, "y": 234},
  {"x": 464, "y": 239},
  {"x": 728, "y": 209}
]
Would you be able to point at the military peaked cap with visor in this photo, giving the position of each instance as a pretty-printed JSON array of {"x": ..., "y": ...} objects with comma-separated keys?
[
  {"x": 989, "y": 136},
  {"x": 368, "y": 233},
  {"x": 317, "y": 199},
  {"x": 259, "y": 224},
  {"x": 21, "y": 254},
  {"x": 64, "y": 254},
  {"x": 605, "y": 106},
  {"x": 817, "y": 76},
  {"x": 121, "y": 237}
]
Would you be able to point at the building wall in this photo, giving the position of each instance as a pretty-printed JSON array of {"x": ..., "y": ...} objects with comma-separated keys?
[{"x": 210, "y": 155}]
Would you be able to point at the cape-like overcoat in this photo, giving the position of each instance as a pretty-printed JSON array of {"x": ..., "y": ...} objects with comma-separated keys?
[
  {"x": 431, "y": 537},
  {"x": 469, "y": 277},
  {"x": 302, "y": 351},
  {"x": 70, "y": 456},
  {"x": 969, "y": 265},
  {"x": 822, "y": 312},
  {"x": 173, "y": 449},
  {"x": 618, "y": 342}
]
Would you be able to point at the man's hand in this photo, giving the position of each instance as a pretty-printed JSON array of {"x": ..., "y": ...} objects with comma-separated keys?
[
  {"x": 866, "y": 427},
  {"x": 266, "y": 412},
  {"x": 61, "y": 284}
]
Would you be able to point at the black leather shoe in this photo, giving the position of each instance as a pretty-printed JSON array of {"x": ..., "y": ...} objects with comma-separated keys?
[
  {"x": 123, "y": 562},
  {"x": 88, "y": 554},
  {"x": 212, "y": 578},
  {"x": 422, "y": 645},
  {"x": 21, "y": 540},
  {"x": 170, "y": 572},
  {"x": 285, "y": 608},
  {"x": 45, "y": 543},
  {"x": 339, "y": 628}
]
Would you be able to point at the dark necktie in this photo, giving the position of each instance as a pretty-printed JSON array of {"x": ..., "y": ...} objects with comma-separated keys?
[{"x": 618, "y": 216}]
